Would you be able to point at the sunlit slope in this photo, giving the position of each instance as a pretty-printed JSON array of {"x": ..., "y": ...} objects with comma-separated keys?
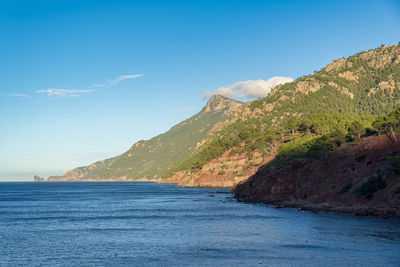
[{"x": 149, "y": 159}]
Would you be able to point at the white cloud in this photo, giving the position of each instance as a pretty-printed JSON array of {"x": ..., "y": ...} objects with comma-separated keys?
[
  {"x": 20, "y": 95},
  {"x": 125, "y": 77},
  {"x": 250, "y": 88},
  {"x": 64, "y": 92}
]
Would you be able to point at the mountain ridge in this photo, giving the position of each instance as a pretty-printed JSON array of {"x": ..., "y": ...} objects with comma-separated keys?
[{"x": 138, "y": 162}]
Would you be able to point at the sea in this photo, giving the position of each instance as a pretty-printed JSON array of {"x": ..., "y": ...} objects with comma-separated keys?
[{"x": 148, "y": 224}]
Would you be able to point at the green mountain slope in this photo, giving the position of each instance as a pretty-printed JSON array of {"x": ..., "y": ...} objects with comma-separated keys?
[
  {"x": 149, "y": 159},
  {"x": 366, "y": 83}
]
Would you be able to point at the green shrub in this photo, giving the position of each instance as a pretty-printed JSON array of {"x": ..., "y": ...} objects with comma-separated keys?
[
  {"x": 346, "y": 188},
  {"x": 372, "y": 185},
  {"x": 397, "y": 191},
  {"x": 250, "y": 156},
  {"x": 361, "y": 158},
  {"x": 395, "y": 162}
]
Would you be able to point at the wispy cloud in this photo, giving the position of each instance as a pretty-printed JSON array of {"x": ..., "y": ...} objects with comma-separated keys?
[
  {"x": 20, "y": 95},
  {"x": 98, "y": 85},
  {"x": 250, "y": 88},
  {"x": 117, "y": 80},
  {"x": 125, "y": 77},
  {"x": 52, "y": 92}
]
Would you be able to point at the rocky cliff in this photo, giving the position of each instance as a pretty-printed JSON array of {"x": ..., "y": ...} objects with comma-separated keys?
[
  {"x": 362, "y": 178},
  {"x": 226, "y": 171}
]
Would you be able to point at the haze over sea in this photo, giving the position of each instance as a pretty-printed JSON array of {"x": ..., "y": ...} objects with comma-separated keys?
[{"x": 146, "y": 224}]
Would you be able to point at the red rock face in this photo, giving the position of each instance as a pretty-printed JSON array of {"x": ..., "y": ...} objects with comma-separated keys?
[
  {"x": 334, "y": 183},
  {"x": 226, "y": 171}
]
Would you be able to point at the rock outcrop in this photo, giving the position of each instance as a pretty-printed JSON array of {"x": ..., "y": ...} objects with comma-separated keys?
[
  {"x": 226, "y": 171},
  {"x": 38, "y": 179}
]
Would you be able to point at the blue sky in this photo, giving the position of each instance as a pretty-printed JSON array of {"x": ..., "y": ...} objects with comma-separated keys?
[{"x": 129, "y": 70}]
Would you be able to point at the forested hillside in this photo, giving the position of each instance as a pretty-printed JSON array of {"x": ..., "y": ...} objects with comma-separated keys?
[
  {"x": 355, "y": 171},
  {"x": 365, "y": 84}
]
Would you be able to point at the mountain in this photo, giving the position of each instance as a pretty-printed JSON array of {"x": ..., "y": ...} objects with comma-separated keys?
[
  {"x": 148, "y": 160},
  {"x": 365, "y": 84},
  {"x": 228, "y": 141}
]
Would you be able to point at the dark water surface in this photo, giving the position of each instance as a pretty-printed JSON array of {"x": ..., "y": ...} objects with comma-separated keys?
[{"x": 145, "y": 224}]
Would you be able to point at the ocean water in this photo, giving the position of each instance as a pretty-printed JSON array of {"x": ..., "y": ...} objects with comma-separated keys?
[{"x": 146, "y": 224}]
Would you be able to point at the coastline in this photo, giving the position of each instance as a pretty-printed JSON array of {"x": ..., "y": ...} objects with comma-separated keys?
[
  {"x": 331, "y": 184},
  {"x": 339, "y": 208},
  {"x": 358, "y": 179},
  {"x": 135, "y": 181}
]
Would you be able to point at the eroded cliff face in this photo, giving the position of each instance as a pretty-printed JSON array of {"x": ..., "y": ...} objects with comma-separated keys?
[
  {"x": 226, "y": 171},
  {"x": 362, "y": 178}
]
